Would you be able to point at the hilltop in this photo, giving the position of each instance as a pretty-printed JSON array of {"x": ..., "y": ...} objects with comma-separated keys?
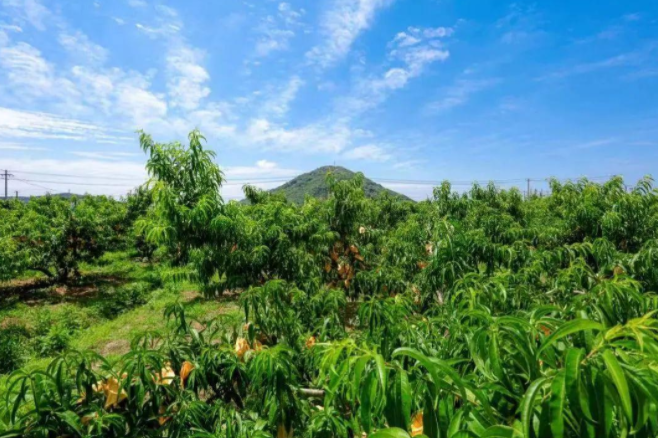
[{"x": 314, "y": 184}]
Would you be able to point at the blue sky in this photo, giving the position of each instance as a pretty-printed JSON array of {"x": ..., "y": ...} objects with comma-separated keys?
[{"x": 399, "y": 89}]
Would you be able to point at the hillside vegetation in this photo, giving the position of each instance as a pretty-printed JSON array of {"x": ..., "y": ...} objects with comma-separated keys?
[
  {"x": 314, "y": 184},
  {"x": 481, "y": 314}
]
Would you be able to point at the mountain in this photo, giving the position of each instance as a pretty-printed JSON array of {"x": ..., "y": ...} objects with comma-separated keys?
[{"x": 314, "y": 183}]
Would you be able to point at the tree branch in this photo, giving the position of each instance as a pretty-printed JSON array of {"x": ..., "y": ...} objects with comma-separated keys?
[{"x": 311, "y": 393}]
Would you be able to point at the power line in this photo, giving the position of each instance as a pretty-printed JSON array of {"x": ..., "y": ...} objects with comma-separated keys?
[
  {"x": 75, "y": 183},
  {"x": 77, "y": 176},
  {"x": 283, "y": 180},
  {"x": 35, "y": 185}
]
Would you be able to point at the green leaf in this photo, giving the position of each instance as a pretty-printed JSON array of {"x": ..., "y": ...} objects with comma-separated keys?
[
  {"x": 366, "y": 403},
  {"x": 391, "y": 432},
  {"x": 430, "y": 418},
  {"x": 619, "y": 379},
  {"x": 498, "y": 432},
  {"x": 398, "y": 402},
  {"x": 528, "y": 405},
  {"x": 577, "y": 400},
  {"x": 556, "y": 405},
  {"x": 571, "y": 327}
]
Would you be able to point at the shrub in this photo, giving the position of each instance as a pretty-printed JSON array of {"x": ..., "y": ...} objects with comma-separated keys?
[
  {"x": 12, "y": 347},
  {"x": 119, "y": 300},
  {"x": 55, "y": 341}
]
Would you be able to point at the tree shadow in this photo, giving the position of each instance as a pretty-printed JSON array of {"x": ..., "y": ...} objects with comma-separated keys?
[{"x": 38, "y": 291}]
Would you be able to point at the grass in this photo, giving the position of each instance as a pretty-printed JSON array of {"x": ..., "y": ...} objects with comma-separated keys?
[{"x": 116, "y": 300}]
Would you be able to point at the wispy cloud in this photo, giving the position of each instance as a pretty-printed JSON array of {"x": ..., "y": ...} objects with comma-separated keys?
[
  {"x": 137, "y": 3},
  {"x": 278, "y": 104},
  {"x": 408, "y": 164},
  {"x": 82, "y": 48},
  {"x": 320, "y": 137},
  {"x": 521, "y": 25},
  {"x": 261, "y": 169},
  {"x": 19, "y": 147},
  {"x": 112, "y": 156},
  {"x": 632, "y": 17},
  {"x": 29, "y": 11},
  {"x": 622, "y": 60},
  {"x": 370, "y": 152},
  {"x": 415, "y": 35},
  {"x": 24, "y": 124},
  {"x": 341, "y": 26},
  {"x": 188, "y": 79},
  {"x": 25, "y": 69},
  {"x": 596, "y": 143},
  {"x": 460, "y": 93},
  {"x": 278, "y": 29},
  {"x": 410, "y": 59}
]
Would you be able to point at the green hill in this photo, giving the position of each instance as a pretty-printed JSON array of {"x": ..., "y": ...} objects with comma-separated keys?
[{"x": 314, "y": 183}]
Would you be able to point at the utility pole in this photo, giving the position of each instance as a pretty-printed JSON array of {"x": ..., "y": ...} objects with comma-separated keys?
[
  {"x": 528, "y": 192},
  {"x": 17, "y": 195},
  {"x": 6, "y": 177}
]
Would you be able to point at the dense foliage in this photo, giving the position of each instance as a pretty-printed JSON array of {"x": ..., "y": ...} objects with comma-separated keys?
[
  {"x": 479, "y": 314},
  {"x": 53, "y": 234}
]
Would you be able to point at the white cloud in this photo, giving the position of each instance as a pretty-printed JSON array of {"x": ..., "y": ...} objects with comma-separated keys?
[
  {"x": 408, "y": 164},
  {"x": 31, "y": 11},
  {"x": 24, "y": 124},
  {"x": 166, "y": 23},
  {"x": 403, "y": 39},
  {"x": 11, "y": 28},
  {"x": 19, "y": 147},
  {"x": 82, "y": 48},
  {"x": 112, "y": 156},
  {"x": 140, "y": 105},
  {"x": 28, "y": 72},
  {"x": 273, "y": 40},
  {"x": 264, "y": 164},
  {"x": 417, "y": 58},
  {"x": 278, "y": 104},
  {"x": 438, "y": 32},
  {"x": 596, "y": 143},
  {"x": 412, "y": 58},
  {"x": 87, "y": 90},
  {"x": 460, "y": 93},
  {"x": 276, "y": 31},
  {"x": 341, "y": 25},
  {"x": 622, "y": 60},
  {"x": 521, "y": 25},
  {"x": 314, "y": 138},
  {"x": 263, "y": 169},
  {"x": 187, "y": 78},
  {"x": 368, "y": 152},
  {"x": 156, "y": 32},
  {"x": 419, "y": 47},
  {"x": 415, "y": 35},
  {"x": 289, "y": 15},
  {"x": 215, "y": 119},
  {"x": 137, "y": 3}
]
